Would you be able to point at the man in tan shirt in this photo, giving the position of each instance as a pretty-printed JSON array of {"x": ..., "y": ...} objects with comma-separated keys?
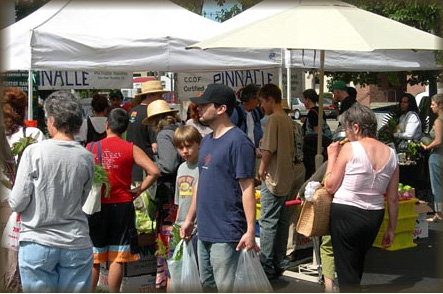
[{"x": 276, "y": 173}]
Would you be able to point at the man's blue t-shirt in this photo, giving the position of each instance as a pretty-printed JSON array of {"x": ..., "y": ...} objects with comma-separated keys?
[{"x": 221, "y": 162}]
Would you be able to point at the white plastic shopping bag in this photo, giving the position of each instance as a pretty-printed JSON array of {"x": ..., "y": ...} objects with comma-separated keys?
[
  {"x": 11, "y": 232},
  {"x": 93, "y": 202},
  {"x": 175, "y": 268},
  {"x": 250, "y": 276},
  {"x": 190, "y": 279}
]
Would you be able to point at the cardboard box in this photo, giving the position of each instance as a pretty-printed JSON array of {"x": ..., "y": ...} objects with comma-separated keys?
[
  {"x": 146, "y": 239},
  {"x": 139, "y": 284},
  {"x": 422, "y": 207},
  {"x": 421, "y": 229},
  {"x": 147, "y": 264}
]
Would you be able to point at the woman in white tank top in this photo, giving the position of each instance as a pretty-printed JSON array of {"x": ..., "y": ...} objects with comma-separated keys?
[{"x": 358, "y": 174}]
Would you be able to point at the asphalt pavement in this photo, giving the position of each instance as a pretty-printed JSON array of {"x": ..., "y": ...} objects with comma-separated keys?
[{"x": 412, "y": 270}]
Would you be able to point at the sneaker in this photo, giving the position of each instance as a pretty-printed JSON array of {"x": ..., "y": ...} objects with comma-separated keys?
[{"x": 291, "y": 256}]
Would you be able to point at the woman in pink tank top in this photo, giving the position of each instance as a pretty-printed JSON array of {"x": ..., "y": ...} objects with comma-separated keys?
[{"x": 358, "y": 174}]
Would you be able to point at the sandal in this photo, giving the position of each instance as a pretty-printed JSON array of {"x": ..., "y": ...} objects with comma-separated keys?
[{"x": 434, "y": 219}]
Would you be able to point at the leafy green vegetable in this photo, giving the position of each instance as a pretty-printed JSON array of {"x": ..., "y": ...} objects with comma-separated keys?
[
  {"x": 175, "y": 235},
  {"x": 413, "y": 150},
  {"x": 161, "y": 248},
  {"x": 386, "y": 132},
  {"x": 17, "y": 149},
  {"x": 101, "y": 177}
]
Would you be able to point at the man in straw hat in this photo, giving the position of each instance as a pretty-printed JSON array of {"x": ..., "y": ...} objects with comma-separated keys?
[
  {"x": 141, "y": 135},
  {"x": 224, "y": 202}
]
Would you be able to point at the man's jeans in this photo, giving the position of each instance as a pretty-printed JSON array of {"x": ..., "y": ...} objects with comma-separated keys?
[
  {"x": 50, "y": 269},
  {"x": 274, "y": 229},
  {"x": 217, "y": 265}
]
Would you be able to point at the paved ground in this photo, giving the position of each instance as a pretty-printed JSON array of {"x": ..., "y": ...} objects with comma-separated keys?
[{"x": 413, "y": 270}]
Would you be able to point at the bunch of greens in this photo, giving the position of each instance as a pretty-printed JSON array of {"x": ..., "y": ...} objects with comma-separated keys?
[
  {"x": 175, "y": 239},
  {"x": 101, "y": 178},
  {"x": 17, "y": 149},
  {"x": 161, "y": 248},
  {"x": 413, "y": 151},
  {"x": 386, "y": 132}
]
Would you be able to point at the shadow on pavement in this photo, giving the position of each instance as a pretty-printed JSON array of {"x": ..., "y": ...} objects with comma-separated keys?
[{"x": 412, "y": 270}]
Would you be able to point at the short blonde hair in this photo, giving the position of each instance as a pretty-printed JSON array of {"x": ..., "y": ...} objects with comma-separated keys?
[
  {"x": 186, "y": 134},
  {"x": 438, "y": 98}
]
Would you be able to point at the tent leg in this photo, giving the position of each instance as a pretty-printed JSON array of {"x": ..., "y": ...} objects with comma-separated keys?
[{"x": 30, "y": 92}]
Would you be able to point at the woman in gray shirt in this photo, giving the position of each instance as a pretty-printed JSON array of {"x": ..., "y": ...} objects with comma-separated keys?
[{"x": 53, "y": 181}]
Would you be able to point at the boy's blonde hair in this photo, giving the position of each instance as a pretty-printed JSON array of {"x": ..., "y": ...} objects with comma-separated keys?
[{"x": 186, "y": 134}]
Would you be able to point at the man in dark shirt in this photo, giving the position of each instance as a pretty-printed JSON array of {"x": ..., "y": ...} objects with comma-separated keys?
[
  {"x": 340, "y": 91},
  {"x": 142, "y": 135}
]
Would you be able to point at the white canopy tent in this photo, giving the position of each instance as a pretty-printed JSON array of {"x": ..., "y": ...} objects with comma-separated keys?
[
  {"x": 132, "y": 35},
  {"x": 378, "y": 60},
  {"x": 140, "y": 35},
  {"x": 324, "y": 26},
  {"x": 152, "y": 35}
]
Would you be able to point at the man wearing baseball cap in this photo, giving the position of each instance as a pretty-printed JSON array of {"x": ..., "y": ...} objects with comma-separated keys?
[
  {"x": 116, "y": 99},
  {"x": 340, "y": 91},
  {"x": 224, "y": 204}
]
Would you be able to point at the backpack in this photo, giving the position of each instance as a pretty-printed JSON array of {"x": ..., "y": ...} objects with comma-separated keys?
[
  {"x": 92, "y": 134},
  {"x": 239, "y": 115},
  {"x": 257, "y": 114},
  {"x": 298, "y": 142},
  {"x": 326, "y": 130}
]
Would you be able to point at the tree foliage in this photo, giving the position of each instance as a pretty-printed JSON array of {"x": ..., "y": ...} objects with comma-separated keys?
[
  {"x": 225, "y": 14},
  {"x": 424, "y": 15}
]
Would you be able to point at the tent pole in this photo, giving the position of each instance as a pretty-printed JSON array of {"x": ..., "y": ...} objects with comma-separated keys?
[
  {"x": 280, "y": 77},
  {"x": 319, "y": 156},
  {"x": 30, "y": 87},
  {"x": 288, "y": 77},
  {"x": 280, "y": 69}
]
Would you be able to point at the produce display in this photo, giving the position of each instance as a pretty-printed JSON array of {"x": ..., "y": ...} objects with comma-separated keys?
[
  {"x": 143, "y": 223},
  {"x": 405, "y": 192}
]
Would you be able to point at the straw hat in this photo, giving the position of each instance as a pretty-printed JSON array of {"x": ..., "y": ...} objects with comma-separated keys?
[
  {"x": 285, "y": 106},
  {"x": 155, "y": 108},
  {"x": 151, "y": 87}
]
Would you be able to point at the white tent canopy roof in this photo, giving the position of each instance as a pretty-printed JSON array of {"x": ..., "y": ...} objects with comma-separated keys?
[
  {"x": 131, "y": 35},
  {"x": 376, "y": 60},
  {"x": 324, "y": 25},
  {"x": 140, "y": 35}
]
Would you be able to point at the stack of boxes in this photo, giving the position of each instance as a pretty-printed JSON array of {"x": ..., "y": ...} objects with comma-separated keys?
[
  {"x": 404, "y": 232},
  {"x": 138, "y": 276},
  {"x": 421, "y": 225}
]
